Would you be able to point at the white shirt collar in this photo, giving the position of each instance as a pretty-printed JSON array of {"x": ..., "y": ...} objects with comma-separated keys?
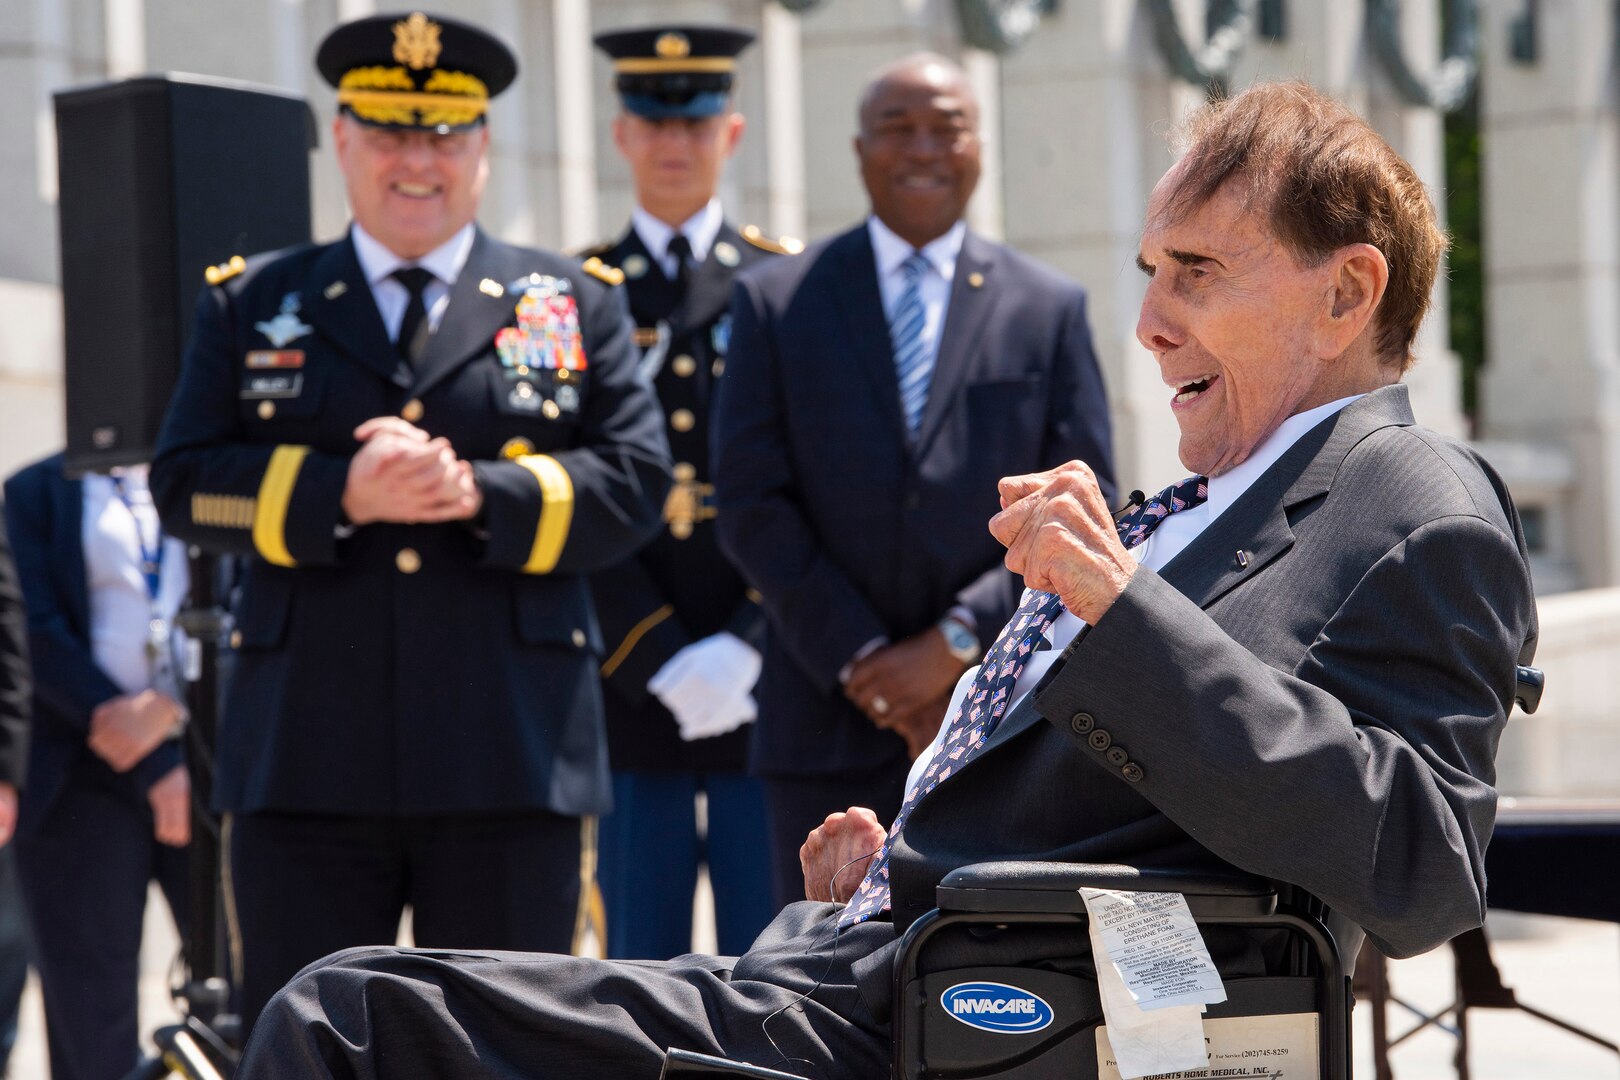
[
  {"x": 446, "y": 261},
  {"x": 890, "y": 251},
  {"x": 700, "y": 230},
  {"x": 1226, "y": 488}
]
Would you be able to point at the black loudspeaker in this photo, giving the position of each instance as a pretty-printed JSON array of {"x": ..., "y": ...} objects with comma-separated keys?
[{"x": 161, "y": 177}]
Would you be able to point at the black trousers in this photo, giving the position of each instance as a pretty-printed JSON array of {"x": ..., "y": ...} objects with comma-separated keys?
[
  {"x": 388, "y": 1014},
  {"x": 84, "y": 872},
  {"x": 303, "y": 886},
  {"x": 794, "y": 805}
]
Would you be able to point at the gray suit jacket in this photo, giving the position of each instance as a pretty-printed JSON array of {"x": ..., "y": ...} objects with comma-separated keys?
[{"x": 1327, "y": 715}]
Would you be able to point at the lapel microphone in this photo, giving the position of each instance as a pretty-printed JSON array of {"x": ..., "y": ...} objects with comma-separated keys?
[{"x": 1135, "y": 499}]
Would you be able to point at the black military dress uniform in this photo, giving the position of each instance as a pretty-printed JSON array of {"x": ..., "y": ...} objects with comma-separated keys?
[
  {"x": 680, "y": 589},
  {"x": 416, "y": 712}
]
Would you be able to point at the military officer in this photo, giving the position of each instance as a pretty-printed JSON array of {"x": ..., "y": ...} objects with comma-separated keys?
[
  {"x": 682, "y": 630},
  {"x": 424, "y": 439}
]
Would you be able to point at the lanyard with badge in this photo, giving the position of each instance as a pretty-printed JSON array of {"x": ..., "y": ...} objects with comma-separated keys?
[{"x": 157, "y": 627}]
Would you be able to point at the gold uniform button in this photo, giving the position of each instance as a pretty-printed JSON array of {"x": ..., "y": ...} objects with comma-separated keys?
[
  {"x": 682, "y": 420},
  {"x": 578, "y": 638},
  {"x": 549, "y": 409},
  {"x": 267, "y": 409},
  {"x": 236, "y": 639},
  {"x": 683, "y": 366},
  {"x": 719, "y": 368},
  {"x": 684, "y": 472},
  {"x": 407, "y": 561},
  {"x": 412, "y": 411},
  {"x": 512, "y": 449}
]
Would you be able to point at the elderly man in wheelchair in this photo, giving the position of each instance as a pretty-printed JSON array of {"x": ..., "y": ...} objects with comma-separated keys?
[{"x": 1270, "y": 692}]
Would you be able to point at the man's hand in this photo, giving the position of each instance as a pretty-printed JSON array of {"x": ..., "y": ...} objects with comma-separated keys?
[
  {"x": 1060, "y": 536},
  {"x": 919, "y": 726},
  {"x": 124, "y": 729},
  {"x": 170, "y": 799},
  {"x": 401, "y": 475},
  {"x": 898, "y": 680},
  {"x": 836, "y": 854},
  {"x": 8, "y": 813}
]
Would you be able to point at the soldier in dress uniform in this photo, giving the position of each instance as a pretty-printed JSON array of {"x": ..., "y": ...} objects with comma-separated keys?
[
  {"x": 682, "y": 629},
  {"x": 424, "y": 439}
]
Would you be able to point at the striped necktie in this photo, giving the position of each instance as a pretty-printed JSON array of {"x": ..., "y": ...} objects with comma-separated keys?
[
  {"x": 913, "y": 356},
  {"x": 985, "y": 702}
]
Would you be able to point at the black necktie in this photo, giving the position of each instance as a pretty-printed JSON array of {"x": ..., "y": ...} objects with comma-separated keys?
[
  {"x": 681, "y": 248},
  {"x": 413, "y": 329}
]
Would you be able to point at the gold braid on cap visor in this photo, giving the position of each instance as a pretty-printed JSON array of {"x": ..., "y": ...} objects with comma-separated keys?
[{"x": 388, "y": 95}]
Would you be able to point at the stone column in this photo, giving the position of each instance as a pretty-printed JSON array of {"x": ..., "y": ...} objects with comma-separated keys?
[{"x": 1552, "y": 263}]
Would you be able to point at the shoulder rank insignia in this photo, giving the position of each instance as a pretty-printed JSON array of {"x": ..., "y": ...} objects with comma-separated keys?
[
  {"x": 600, "y": 270},
  {"x": 218, "y": 275},
  {"x": 784, "y": 245}
]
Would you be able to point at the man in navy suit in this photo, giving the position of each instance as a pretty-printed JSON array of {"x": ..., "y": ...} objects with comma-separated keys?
[
  {"x": 877, "y": 388},
  {"x": 107, "y": 807}
]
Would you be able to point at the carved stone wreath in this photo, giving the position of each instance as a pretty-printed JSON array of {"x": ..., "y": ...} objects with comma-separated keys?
[
  {"x": 1449, "y": 86},
  {"x": 1231, "y": 23}
]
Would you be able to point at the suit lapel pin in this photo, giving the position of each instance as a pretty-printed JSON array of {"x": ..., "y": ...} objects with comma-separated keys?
[
  {"x": 975, "y": 280},
  {"x": 1242, "y": 559},
  {"x": 335, "y": 290},
  {"x": 491, "y": 287}
]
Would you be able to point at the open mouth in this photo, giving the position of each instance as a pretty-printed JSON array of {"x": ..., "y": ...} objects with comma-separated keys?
[
  {"x": 415, "y": 191},
  {"x": 1192, "y": 389}
]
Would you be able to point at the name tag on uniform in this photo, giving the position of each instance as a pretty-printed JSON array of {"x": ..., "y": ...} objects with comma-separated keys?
[
  {"x": 278, "y": 385},
  {"x": 259, "y": 359}
]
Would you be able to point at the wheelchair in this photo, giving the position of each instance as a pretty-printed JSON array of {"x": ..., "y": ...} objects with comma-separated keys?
[
  {"x": 965, "y": 941},
  {"x": 1304, "y": 970}
]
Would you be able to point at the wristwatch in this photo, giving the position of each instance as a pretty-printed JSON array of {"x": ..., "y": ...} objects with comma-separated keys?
[{"x": 963, "y": 643}]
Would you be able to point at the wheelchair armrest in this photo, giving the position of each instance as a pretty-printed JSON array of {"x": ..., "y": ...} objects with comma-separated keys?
[{"x": 1054, "y": 888}]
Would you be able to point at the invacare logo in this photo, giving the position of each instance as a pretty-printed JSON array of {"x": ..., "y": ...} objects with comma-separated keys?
[{"x": 990, "y": 1006}]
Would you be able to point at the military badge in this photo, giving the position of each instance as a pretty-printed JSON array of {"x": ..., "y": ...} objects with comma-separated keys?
[
  {"x": 286, "y": 327},
  {"x": 259, "y": 359},
  {"x": 634, "y": 266},
  {"x": 523, "y": 397},
  {"x": 727, "y": 254},
  {"x": 547, "y": 334},
  {"x": 567, "y": 398},
  {"x": 720, "y": 334}
]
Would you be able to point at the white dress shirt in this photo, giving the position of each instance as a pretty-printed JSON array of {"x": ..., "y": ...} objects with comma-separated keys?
[
  {"x": 933, "y": 288},
  {"x": 378, "y": 263},
  {"x": 700, "y": 230},
  {"x": 120, "y": 608},
  {"x": 1166, "y": 541}
]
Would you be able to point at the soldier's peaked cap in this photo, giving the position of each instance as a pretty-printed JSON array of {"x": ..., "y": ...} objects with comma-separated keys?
[
  {"x": 665, "y": 70},
  {"x": 415, "y": 70}
]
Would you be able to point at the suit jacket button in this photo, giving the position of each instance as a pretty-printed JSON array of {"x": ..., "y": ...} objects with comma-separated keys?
[
  {"x": 407, "y": 561},
  {"x": 1082, "y": 723},
  {"x": 412, "y": 412},
  {"x": 578, "y": 638},
  {"x": 1117, "y": 756},
  {"x": 1132, "y": 772},
  {"x": 683, "y": 366},
  {"x": 1100, "y": 740}
]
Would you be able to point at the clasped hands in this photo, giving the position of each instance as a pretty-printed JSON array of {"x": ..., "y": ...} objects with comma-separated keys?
[
  {"x": 123, "y": 730},
  {"x": 401, "y": 475},
  {"x": 708, "y": 686}
]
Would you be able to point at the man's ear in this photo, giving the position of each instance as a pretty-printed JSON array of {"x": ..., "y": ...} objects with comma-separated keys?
[{"x": 1358, "y": 274}]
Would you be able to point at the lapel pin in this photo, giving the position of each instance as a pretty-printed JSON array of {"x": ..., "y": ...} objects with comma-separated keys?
[
  {"x": 1242, "y": 559},
  {"x": 975, "y": 280},
  {"x": 490, "y": 287},
  {"x": 335, "y": 290},
  {"x": 727, "y": 254},
  {"x": 634, "y": 266}
]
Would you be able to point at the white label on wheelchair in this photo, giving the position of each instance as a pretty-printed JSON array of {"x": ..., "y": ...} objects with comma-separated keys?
[
  {"x": 1156, "y": 947},
  {"x": 1278, "y": 1047}
]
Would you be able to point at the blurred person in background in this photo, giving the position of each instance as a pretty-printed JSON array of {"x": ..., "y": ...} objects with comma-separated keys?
[
  {"x": 683, "y": 630},
  {"x": 877, "y": 388},
  {"x": 107, "y": 807},
  {"x": 14, "y": 710}
]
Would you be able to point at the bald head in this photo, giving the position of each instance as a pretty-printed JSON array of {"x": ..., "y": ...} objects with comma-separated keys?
[{"x": 919, "y": 145}]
